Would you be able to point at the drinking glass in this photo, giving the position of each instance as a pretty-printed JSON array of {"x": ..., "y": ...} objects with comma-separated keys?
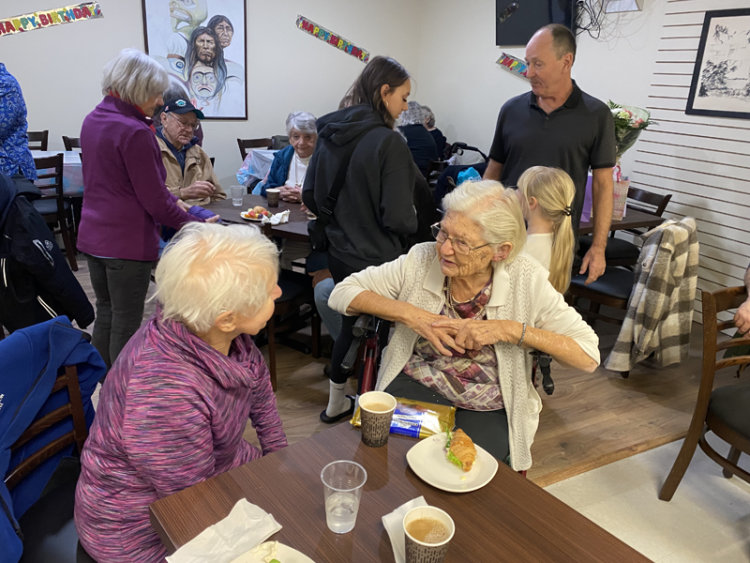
[
  {"x": 342, "y": 484},
  {"x": 237, "y": 192}
]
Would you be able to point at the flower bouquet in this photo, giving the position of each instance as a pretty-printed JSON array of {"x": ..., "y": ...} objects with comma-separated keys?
[{"x": 629, "y": 122}]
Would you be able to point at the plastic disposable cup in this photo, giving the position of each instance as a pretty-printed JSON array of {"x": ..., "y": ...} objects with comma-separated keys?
[
  {"x": 273, "y": 195},
  {"x": 342, "y": 484},
  {"x": 423, "y": 551},
  {"x": 376, "y": 409},
  {"x": 237, "y": 192}
]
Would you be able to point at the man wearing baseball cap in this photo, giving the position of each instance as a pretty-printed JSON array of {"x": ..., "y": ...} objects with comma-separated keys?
[{"x": 190, "y": 175}]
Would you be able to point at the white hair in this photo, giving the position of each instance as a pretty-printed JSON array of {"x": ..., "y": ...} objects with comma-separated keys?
[
  {"x": 134, "y": 76},
  {"x": 428, "y": 116},
  {"x": 301, "y": 121},
  {"x": 494, "y": 208},
  {"x": 210, "y": 269},
  {"x": 412, "y": 116}
]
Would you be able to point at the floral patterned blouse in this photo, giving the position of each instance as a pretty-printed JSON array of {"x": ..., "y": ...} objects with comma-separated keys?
[
  {"x": 14, "y": 144},
  {"x": 468, "y": 380}
]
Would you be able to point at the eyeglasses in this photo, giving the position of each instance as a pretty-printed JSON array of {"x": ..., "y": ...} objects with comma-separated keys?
[
  {"x": 458, "y": 245},
  {"x": 193, "y": 126}
]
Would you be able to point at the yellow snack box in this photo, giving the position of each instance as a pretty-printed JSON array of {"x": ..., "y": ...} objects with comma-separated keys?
[{"x": 417, "y": 419}]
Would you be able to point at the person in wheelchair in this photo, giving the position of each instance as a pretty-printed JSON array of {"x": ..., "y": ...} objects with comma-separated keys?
[{"x": 468, "y": 309}]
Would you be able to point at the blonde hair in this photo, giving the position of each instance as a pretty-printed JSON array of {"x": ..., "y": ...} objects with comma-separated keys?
[
  {"x": 209, "y": 269},
  {"x": 494, "y": 208},
  {"x": 555, "y": 191},
  {"x": 134, "y": 76}
]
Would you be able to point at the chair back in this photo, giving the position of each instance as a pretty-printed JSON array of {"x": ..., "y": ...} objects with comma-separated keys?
[
  {"x": 245, "y": 144},
  {"x": 38, "y": 140},
  {"x": 714, "y": 303},
  {"x": 71, "y": 143},
  {"x": 655, "y": 204},
  {"x": 67, "y": 379},
  {"x": 50, "y": 179}
]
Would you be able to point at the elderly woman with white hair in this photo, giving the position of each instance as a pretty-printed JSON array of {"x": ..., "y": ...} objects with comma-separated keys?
[
  {"x": 289, "y": 166},
  {"x": 468, "y": 310},
  {"x": 177, "y": 400},
  {"x": 126, "y": 197},
  {"x": 418, "y": 138}
]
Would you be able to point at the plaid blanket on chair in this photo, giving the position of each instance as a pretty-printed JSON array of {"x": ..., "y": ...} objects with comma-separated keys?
[{"x": 660, "y": 311}]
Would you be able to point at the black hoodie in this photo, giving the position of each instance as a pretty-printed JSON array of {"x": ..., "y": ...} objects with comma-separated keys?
[{"x": 375, "y": 211}]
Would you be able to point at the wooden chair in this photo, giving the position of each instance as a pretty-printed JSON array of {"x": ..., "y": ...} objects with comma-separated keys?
[
  {"x": 48, "y": 528},
  {"x": 620, "y": 252},
  {"x": 245, "y": 144},
  {"x": 724, "y": 410},
  {"x": 54, "y": 206},
  {"x": 71, "y": 143},
  {"x": 38, "y": 140}
]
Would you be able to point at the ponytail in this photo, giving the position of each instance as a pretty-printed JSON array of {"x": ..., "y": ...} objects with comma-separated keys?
[{"x": 555, "y": 191}]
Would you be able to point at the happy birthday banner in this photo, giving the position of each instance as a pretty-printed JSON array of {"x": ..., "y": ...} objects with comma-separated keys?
[
  {"x": 48, "y": 18},
  {"x": 513, "y": 64},
  {"x": 332, "y": 39}
]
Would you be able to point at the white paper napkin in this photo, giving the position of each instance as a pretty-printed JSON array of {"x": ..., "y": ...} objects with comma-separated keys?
[
  {"x": 278, "y": 218},
  {"x": 394, "y": 525},
  {"x": 246, "y": 526}
]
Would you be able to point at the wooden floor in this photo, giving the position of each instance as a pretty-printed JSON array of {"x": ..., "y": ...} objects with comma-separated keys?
[{"x": 591, "y": 420}]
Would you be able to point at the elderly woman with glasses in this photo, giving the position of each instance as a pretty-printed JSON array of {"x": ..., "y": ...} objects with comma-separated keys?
[
  {"x": 289, "y": 166},
  {"x": 176, "y": 403},
  {"x": 126, "y": 197},
  {"x": 190, "y": 174},
  {"x": 468, "y": 310}
]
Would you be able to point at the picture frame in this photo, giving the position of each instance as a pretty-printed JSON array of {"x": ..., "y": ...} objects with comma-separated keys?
[
  {"x": 721, "y": 85},
  {"x": 202, "y": 44}
]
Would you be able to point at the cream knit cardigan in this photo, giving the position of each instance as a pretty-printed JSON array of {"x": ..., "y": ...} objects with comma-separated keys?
[{"x": 520, "y": 292}]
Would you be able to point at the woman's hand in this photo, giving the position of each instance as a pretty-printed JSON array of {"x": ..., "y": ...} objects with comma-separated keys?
[
  {"x": 182, "y": 205},
  {"x": 197, "y": 190},
  {"x": 291, "y": 194},
  {"x": 474, "y": 334},
  {"x": 424, "y": 324}
]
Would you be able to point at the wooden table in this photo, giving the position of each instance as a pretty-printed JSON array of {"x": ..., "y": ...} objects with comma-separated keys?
[
  {"x": 295, "y": 229},
  {"x": 634, "y": 219},
  {"x": 511, "y": 519}
]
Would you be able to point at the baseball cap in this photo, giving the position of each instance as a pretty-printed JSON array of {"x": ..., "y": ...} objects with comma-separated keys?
[{"x": 181, "y": 106}]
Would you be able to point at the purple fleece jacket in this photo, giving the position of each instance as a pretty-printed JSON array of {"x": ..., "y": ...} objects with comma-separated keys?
[{"x": 126, "y": 198}]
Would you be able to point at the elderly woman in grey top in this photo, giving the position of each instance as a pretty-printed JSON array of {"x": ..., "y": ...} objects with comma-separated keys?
[
  {"x": 418, "y": 138},
  {"x": 468, "y": 310},
  {"x": 289, "y": 165}
]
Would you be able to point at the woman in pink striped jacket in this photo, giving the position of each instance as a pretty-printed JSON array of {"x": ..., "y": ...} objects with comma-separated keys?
[{"x": 175, "y": 404}]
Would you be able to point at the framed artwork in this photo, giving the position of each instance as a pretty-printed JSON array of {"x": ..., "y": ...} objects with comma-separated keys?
[
  {"x": 721, "y": 77},
  {"x": 202, "y": 45}
]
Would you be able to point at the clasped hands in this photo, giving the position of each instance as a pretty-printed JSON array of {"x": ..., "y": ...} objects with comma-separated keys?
[
  {"x": 290, "y": 194},
  {"x": 460, "y": 335}
]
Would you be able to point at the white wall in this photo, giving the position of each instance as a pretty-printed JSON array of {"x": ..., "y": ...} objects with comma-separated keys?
[{"x": 59, "y": 68}]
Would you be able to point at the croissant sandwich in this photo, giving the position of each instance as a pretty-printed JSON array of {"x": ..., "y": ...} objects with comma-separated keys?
[{"x": 461, "y": 450}]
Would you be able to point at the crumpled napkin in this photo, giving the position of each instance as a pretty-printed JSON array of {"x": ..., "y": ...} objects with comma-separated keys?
[
  {"x": 278, "y": 218},
  {"x": 246, "y": 526},
  {"x": 394, "y": 525}
]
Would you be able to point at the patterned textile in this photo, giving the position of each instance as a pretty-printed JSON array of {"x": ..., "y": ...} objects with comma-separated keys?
[
  {"x": 468, "y": 380},
  {"x": 660, "y": 312},
  {"x": 15, "y": 155},
  {"x": 171, "y": 414}
]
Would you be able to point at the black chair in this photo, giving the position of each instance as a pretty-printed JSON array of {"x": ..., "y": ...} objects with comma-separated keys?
[
  {"x": 620, "y": 252},
  {"x": 71, "y": 143},
  {"x": 38, "y": 140},
  {"x": 53, "y": 206},
  {"x": 47, "y": 527},
  {"x": 245, "y": 144}
]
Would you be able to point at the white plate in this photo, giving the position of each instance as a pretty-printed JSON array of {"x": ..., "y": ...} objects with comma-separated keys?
[
  {"x": 243, "y": 214},
  {"x": 428, "y": 460},
  {"x": 284, "y": 553}
]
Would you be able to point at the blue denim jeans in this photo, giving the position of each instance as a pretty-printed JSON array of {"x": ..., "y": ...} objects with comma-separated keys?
[{"x": 330, "y": 318}]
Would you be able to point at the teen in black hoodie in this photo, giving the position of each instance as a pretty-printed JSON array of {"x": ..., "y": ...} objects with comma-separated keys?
[{"x": 374, "y": 214}]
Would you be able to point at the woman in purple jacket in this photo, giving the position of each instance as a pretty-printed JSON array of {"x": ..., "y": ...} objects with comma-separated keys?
[
  {"x": 126, "y": 197},
  {"x": 177, "y": 400}
]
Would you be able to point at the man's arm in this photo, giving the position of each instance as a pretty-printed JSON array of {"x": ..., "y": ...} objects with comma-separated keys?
[
  {"x": 603, "y": 195},
  {"x": 742, "y": 317},
  {"x": 494, "y": 169}
]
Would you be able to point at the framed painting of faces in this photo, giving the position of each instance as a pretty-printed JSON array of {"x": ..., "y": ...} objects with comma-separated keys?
[{"x": 202, "y": 45}]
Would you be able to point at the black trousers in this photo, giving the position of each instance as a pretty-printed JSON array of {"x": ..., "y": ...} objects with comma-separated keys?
[
  {"x": 488, "y": 429},
  {"x": 120, "y": 287}
]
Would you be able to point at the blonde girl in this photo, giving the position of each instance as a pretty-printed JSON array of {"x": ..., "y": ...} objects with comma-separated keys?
[{"x": 547, "y": 196}]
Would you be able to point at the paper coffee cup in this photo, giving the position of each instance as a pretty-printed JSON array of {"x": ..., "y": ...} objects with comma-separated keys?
[
  {"x": 418, "y": 551},
  {"x": 376, "y": 410},
  {"x": 273, "y": 195}
]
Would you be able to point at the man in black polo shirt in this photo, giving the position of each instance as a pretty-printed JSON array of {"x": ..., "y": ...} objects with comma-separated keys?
[{"x": 556, "y": 124}]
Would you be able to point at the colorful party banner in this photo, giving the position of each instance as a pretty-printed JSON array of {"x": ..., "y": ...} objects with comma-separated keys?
[
  {"x": 48, "y": 18},
  {"x": 513, "y": 64},
  {"x": 332, "y": 39}
]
